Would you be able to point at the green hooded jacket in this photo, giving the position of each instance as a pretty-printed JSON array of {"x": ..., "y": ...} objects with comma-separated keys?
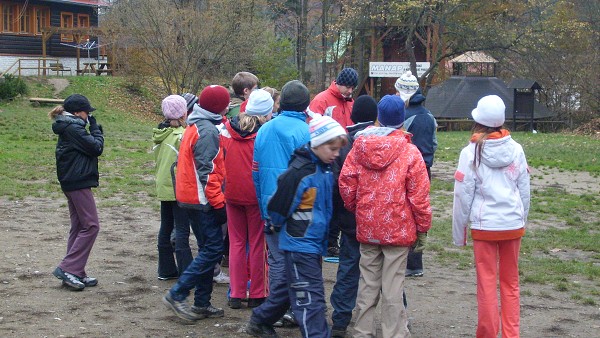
[{"x": 166, "y": 150}]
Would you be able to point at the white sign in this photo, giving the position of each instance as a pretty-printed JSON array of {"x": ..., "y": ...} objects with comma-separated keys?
[{"x": 394, "y": 69}]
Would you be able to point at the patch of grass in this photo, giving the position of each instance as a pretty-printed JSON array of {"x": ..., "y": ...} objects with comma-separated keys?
[{"x": 561, "y": 151}]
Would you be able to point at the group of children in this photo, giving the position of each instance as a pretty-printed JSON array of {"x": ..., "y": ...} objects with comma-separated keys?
[{"x": 280, "y": 183}]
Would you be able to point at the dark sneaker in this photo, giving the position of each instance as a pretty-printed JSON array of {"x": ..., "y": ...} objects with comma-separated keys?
[
  {"x": 289, "y": 319},
  {"x": 167, "y": 277},
  {"x": 255, "y": 302},
  {"x": 208, "y": 311},
  {"x": 333, "y": 251},
  {"x": 69, "y": 279},
  {"x": 235, "y": 303},
  {"x": 87, "y": 281},
  {"x": 181, "y": 308},
  {"x": 260, "y": 330},
  {"x": 278, "y": 323},
  {"x": 413, "y": 273},
  {"x": 338, "y": 333}
]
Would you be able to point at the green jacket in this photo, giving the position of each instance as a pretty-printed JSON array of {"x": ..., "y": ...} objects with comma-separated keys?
[{"x": 166, "y": 149}]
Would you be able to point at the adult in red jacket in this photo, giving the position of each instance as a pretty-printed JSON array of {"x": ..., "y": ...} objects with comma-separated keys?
[
  {"x": 336, "y": 101},
  {"x": 384, "y": 182}
]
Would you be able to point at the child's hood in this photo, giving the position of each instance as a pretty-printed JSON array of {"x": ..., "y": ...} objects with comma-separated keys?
[
  {"x": 160, "y": 134},
  {"x": 377, "y": 147},
  {"x": 499, "y": 153}
]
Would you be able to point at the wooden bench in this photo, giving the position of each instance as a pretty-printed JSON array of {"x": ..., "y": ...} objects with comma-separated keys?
[
  {"x": 37, "y": 101},
  {"x": 59, "y": 67}
]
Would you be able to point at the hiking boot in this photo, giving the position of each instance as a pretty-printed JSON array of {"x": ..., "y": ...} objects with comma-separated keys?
[
  {"x": 413, "y": 273},
  {"x": 69, "y": 279},
  {"x": 255, "y": 302},
  {"x": 208, "y": 311},
  {"x": 260, "y": 330},
  {"x": 235, "y": 303},
  {"x": 221, "y": 278},
  {"x": 181, "y": 309}
]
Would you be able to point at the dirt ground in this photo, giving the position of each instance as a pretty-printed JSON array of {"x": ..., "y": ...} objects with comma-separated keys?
[{"x": 127, "y": 301}]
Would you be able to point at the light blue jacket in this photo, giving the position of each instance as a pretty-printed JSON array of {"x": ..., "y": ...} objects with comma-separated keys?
[{"x": 275, "y": 142}]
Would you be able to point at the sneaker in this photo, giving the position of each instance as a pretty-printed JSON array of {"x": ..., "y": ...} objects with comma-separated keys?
[
  {"x": 208, "y": 311},
  {"x": 69, "y": 279},
  {"x": 181, "y": 308},
  {"x": 413, "y": 273},
  {"x": 255, "y": 302},
  {"x": 260, "y": 330},
  {"x": 338, "y": 333},
  {"x": 235, "y": 303},
  {"x": 278, "y": 323},
  {"x": 167, "y": 277},
  {"x": 221, "y": 278}
]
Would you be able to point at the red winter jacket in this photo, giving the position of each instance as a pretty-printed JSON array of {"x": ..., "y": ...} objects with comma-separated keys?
[
  {"x": 384, "y": 182},
  {"x": 239, "y": 149},
  {"x": 330, "y": 102}
]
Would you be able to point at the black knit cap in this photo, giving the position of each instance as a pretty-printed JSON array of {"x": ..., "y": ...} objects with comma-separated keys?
[
  {"x": 294, "y": 96},
  {"x": 76, "y": 103},
  {"x": 364, "y": 109},
  {"x": 347, "y": 77}
]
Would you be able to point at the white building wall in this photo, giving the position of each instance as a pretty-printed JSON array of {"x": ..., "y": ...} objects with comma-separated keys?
[{"x": 68, "y": 62}]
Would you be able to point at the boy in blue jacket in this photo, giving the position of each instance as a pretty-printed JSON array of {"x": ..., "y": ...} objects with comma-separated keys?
[{"x": 300, "y": 210}]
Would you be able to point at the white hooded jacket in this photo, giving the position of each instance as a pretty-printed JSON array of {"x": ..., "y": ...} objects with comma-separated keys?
[{"x": 494, "y": 196}]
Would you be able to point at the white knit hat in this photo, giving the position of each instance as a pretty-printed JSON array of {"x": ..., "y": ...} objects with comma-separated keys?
[
  {"x": 490, "y": 111},
  {"x": 323, "y": 129},
  {"x": 174, "y": 107},
  {"x": 406, "y": 85},
  {"x": 260, "y": 103}
]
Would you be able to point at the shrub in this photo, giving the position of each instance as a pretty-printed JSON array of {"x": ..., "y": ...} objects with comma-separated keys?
[{"x": 12, "y": 86}]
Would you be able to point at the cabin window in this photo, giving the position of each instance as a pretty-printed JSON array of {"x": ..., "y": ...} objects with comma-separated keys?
[
  {"x": 66, "y": 21},
  {"x": 25, "y": 22},
  {"x": 83, "y": 21},
  {"x": 42, "y": 19},
  {"x": 8, "y": 17}
]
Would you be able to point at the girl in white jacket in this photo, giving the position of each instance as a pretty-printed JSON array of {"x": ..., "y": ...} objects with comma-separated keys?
[{"x": 491, "y": 192}]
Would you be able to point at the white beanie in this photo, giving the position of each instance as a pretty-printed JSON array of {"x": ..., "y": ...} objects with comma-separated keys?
[
  {"x": 406, "y": 85},
  {"x": 323, "y": 129},
  {"x": 490, "y": 111},
  {"x": 174, "y": 107},
  {"x": 260, "y": 103}
]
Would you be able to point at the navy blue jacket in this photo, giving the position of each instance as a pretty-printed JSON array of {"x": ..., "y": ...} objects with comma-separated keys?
[
  {"x": 422, "y": 125},
  {"x": 302, "y": 204}
]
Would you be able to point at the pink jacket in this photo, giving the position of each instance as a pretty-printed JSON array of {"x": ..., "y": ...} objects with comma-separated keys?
[{"x": 384, "y": 182}]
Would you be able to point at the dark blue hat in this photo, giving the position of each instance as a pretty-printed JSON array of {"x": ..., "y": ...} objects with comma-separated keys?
[
  {"x": 391, "y": 111},
  {"x": 347, "y": 77}
]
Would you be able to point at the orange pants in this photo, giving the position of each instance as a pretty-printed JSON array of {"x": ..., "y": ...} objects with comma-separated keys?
[{"x": 493, "y": 259}]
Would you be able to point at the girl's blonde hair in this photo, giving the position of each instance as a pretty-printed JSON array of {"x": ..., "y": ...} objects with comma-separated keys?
[
  {"x": 274, "y": 93},
  {"x": 58, "y": 110},
  {"x": 249, "y": 123},
  {"x": 485, "y": 131}
]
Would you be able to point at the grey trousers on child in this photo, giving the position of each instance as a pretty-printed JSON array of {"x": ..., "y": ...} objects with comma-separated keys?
[{"x": 83, "y": 233}]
